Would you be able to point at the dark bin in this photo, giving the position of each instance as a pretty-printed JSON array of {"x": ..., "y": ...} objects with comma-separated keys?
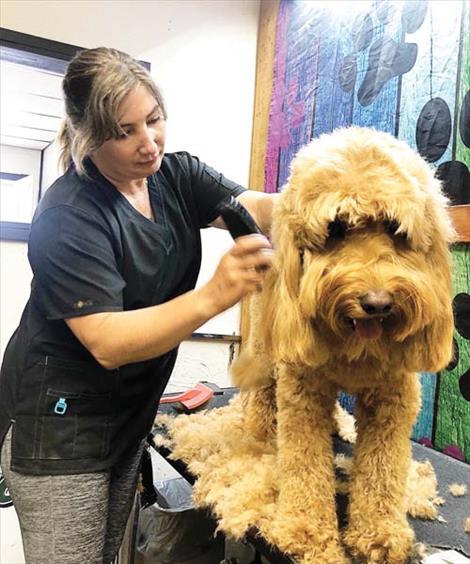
[{"x": 172, "y": 531}]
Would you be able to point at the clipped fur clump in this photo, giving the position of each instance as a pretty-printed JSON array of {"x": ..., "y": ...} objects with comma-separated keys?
[
  {"x": 458, "y": 490},
  {"x": 344, "y": 463},
  {"x": 236, "y": 473},
  {"x": 421, "y": 497},
  {"x": 358, "y": 300},
  {"x": 421, "y": 550}
]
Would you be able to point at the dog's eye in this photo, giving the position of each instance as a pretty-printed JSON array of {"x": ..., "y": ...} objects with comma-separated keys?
[
  {"x": 337, "y": 229},
  {"x": 391, "y": 227}
]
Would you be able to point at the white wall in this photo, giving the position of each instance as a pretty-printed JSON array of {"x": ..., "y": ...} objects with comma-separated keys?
[
  {"x": 200, "y": 361},
  {"x": 203, "y": 56},
  {"x": 15, "y": 274}
]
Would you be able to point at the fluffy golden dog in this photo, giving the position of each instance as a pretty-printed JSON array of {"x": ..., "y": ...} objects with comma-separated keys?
[{"x": 359, "y": 300}]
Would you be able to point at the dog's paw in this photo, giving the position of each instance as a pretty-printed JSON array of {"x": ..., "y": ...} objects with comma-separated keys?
[
  {"x": 333, "y": 553},
  {"x": 308, "y": 542},
  {"x": 389, "y": 543}
]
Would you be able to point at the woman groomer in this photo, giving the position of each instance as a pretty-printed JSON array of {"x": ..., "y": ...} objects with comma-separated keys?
[{"x": 115, "y": 252}]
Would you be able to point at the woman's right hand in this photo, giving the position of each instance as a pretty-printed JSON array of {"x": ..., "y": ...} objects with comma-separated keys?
[
  {"x": 121, "y": 337},
  {"x": 240, "y": 272}
]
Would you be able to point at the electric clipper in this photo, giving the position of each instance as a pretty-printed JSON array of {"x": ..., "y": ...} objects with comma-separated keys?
[{"x": 237, "y": 219}]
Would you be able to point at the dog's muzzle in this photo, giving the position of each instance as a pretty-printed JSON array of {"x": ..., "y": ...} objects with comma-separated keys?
[{"x": 376, "y": 305}]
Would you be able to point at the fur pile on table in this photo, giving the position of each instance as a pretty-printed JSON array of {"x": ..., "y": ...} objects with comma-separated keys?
[{"x": 236, "y": 474}]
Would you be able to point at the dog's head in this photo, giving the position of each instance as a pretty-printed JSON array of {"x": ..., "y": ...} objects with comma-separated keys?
[{"x": 362, "y": 263}]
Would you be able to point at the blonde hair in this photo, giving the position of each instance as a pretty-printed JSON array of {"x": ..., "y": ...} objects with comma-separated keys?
[{"x": 95, "y": 84}]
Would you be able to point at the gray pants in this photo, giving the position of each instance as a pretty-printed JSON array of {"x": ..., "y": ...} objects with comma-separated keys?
[{"x": 72, "y": 519}]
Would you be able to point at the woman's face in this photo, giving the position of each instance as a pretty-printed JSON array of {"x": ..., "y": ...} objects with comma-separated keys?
[{"x": 139, "y": 152}]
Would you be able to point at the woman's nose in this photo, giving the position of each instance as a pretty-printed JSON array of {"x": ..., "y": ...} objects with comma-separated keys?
[{"x": 148, "y": 142}]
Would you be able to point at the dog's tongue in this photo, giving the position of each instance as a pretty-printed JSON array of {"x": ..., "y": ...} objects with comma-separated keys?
[{"x": 368, "y": 328}]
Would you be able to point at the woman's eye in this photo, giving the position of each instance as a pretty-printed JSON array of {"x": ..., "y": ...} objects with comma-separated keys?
[{"x": 154, "y": 120}]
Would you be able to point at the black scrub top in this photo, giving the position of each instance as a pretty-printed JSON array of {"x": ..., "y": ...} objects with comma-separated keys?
[{"x": 91, "y": 251}]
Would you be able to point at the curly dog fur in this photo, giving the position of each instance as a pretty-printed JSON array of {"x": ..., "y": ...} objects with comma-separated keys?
[{"x": 359, "y": 300}]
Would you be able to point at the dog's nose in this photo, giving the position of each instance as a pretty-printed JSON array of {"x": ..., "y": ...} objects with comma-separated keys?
[{"x": 376, "y": 302}]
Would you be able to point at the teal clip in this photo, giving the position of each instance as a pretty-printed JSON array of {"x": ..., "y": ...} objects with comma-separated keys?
[{"x": 60, "y": 407}]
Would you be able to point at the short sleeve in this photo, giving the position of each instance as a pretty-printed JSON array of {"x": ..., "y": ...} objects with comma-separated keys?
[
  {"x": 74, "y": 264},
  {"x": 209, "y": 189}
]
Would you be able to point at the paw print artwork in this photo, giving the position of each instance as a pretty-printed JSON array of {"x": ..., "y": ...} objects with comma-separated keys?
[
  {"x": 462, "y": 325},
  {"x": 387, "y": 58},
  {"x": 433, "y": 135},
  {"x": 446, "y": 439}
]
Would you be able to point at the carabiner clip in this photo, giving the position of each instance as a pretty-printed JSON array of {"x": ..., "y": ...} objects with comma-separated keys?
[{"x": 60, "y": 407}]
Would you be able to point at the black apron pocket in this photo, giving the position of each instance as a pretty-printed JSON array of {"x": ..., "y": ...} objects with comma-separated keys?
[
  {"x": 69, "y": 413},
  {"x": 74, "y": 437}
]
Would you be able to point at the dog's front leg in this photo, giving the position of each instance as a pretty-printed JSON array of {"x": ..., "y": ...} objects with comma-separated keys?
[
  {"x": 378, "y": 529},
  {"x": 259, "y": 409},
  {"x": 306, "y": 523}
]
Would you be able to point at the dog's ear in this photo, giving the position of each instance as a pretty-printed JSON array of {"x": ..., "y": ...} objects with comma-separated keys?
[
  {"x": 431, "y": 348},
  {"x": 288, "y": 334},
  {"x": 437, "y": 217}
]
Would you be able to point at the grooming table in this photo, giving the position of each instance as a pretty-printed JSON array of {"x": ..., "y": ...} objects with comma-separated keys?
[{"x": 446, "y": 534}]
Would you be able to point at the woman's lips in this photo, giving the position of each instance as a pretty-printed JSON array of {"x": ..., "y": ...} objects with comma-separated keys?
[{"x": 150, "y": 161}]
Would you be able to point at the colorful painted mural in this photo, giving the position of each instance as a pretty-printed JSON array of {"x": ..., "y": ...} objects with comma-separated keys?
[{"x": 400, "y": 67}]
